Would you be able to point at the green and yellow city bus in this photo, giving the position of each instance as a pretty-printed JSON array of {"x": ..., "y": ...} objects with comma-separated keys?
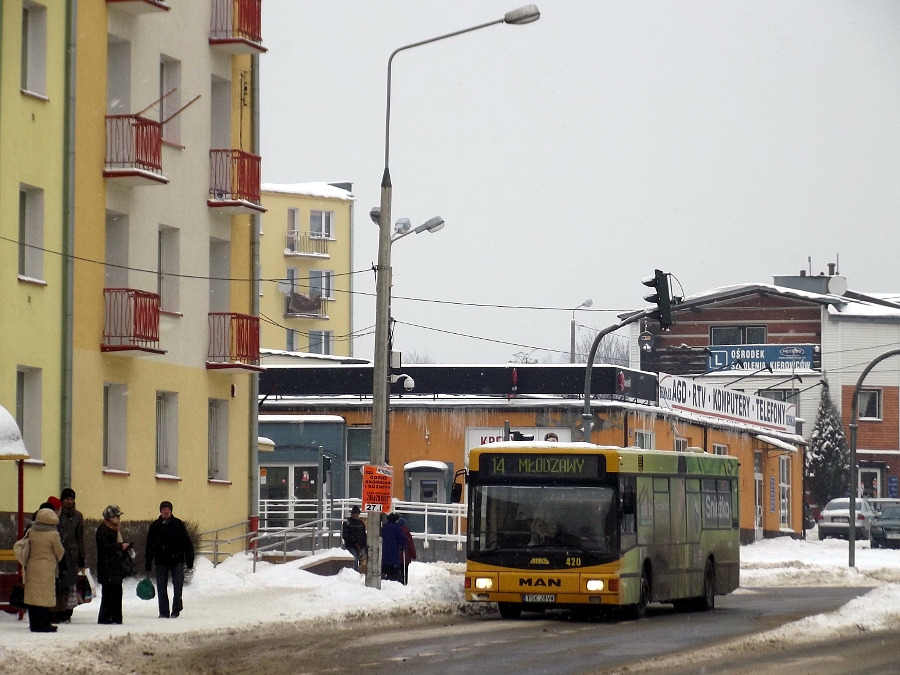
[{"x": 577, "y": 525}]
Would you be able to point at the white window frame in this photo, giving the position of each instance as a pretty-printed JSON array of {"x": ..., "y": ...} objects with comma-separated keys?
[
  {"x": 34, "y": 48},
  {"x": 784, "y": 490},
  {"x": 169, "y": 79},
  {"x": 681, "y": 444},
  {"x": 115, "y": 425},
  {"x": 29, "y": 397},
  {"x": 878, "y": 402},
  {"x": 293, "y": 229},
  {"x": 643, "y": 439},
  {"x": 322, "y": 281},
  {"x": 324, "y": 229},
  {"x": 31, "y": 232},
  {"x": 720, "y": 449},
  {"x": 321, "y": 342},
  {"x": 167, "y": 433},
  {"x": 217, "y": 444},
  {"x": 168, "y": 268}
]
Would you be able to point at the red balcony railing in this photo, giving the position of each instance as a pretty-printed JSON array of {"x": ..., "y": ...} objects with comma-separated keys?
[
  {"x": 133, "y": 142},
  {"x": 233, "y": 176},
  {"x": 233, "y": 338},
  {"x": 236, "y": 20},
  {"x": 132, "y": 320}
]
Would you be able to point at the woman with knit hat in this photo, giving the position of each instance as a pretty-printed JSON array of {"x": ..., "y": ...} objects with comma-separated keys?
[{"x": 110, "y": 549}]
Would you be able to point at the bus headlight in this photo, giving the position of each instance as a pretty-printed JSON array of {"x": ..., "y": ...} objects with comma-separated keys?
[
  {"x": 484, "y": 583},
  {"x": 595, "y": 584}
]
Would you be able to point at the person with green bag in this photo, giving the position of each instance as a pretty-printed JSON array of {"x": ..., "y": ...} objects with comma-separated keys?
[
  {"x": 145, "y": 590},
  {"x": 169, "y": 547}
]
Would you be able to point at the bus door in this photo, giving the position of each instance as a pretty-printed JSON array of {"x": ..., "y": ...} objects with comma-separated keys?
[{"x": 758, "y": 495}]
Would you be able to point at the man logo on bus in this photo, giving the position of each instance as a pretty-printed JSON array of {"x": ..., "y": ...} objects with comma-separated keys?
[{"x": 540, "y": 582}]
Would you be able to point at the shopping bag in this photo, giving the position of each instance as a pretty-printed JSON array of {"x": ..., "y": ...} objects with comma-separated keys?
[
  {"x": 145, "y": 589},
  {"x": 17, "y": 596},
  {"x": 83, "y": 588},
  {"x": 22, "y": 549}
]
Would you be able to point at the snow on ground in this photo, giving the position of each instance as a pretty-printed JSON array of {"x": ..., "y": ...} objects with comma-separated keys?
[{"x": 233, "y": 597}]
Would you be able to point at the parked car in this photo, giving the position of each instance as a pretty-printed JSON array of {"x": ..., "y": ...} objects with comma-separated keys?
[
  {"x": 885, "y": 530},
  {"x": 881, "y": 503},
  {"x": 834, "y": 520}
]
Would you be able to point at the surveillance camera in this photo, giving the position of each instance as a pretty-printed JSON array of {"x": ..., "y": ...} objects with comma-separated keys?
[
  {"x": 402, "y": 226},
  {"x": 408, "y": 383},
  {"x": 375, "y": 215}
]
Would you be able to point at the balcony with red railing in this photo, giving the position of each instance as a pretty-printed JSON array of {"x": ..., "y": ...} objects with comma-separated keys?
[
  {"x": 132, "y": 321},
  {"x": 134, "y": 150},
  {"x": 236, "y": 26},
  {"x": 234, "y": 181},
  {"x": 233, "y": 342},
  {"x": 138, "y": 6}
]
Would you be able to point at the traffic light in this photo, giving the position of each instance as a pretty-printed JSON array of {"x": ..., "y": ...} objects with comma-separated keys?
[{"x": 662, "y": 298}]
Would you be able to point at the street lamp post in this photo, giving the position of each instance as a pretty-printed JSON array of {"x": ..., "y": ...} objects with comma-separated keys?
[
  {"x": 586, "y": 303},
  {"x": 520, "y": 16}
]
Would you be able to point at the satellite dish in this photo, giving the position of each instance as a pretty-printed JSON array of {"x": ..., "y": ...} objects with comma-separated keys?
[
  {"x": 837, "y": 285},
  {"x": 284, "y": 286}
]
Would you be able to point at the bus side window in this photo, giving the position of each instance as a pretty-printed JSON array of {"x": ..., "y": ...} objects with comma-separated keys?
[{"x": 628, "y": 509}]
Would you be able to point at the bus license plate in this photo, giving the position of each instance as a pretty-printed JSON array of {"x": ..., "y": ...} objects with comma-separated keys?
[{"x": 538, "y": 598}]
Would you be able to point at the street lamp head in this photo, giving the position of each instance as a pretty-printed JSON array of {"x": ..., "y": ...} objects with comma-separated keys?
[
  {"x": 586, "y": 303},
  {"x": 375, "y": 215},
  {"x": 522, "y": 15},
  {"x": 431, "y": 225}
]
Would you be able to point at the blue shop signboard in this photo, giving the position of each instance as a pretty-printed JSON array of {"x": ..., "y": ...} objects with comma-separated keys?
[{"x": 784, "y": 358}]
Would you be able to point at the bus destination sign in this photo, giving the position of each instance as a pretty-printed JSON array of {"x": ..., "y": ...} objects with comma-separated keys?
[{"x": 533, "y": 465}]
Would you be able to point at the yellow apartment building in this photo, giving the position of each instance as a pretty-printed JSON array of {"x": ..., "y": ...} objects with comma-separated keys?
[
  {"x": 306, "y": 300},
  {"x": 34, "y": 179},
  {"x": 166, "y": 337}
]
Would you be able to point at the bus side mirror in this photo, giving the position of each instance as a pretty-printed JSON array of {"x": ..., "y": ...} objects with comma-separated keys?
[{"x": 456, "y": 493}]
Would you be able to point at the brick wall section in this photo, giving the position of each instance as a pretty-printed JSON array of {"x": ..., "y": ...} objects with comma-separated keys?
[{"x": 883, "y": 435}]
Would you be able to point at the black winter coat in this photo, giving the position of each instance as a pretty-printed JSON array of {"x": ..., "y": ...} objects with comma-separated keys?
[
  {"x": 109, "y": 555},
  {"x": 168, "y": 543}
]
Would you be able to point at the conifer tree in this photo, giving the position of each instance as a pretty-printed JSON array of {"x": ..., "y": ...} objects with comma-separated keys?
[{"x": 828, "y": 456}]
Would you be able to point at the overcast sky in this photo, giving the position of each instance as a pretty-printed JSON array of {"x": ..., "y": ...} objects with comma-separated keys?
[{"x": 725, "y": 142}]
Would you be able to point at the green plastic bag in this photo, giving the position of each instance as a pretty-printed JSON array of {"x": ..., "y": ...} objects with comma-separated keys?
[{"x": 145, "y": 590}]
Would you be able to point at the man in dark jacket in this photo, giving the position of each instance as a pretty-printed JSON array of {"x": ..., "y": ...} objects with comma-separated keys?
[
  {"x": 354, "y": 535},
  {"x": 169, "y": 546},
  {"x": 71, "y": 531}
]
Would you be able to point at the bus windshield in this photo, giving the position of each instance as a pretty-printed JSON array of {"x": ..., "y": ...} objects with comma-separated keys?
[{"x": 529, "y": 517}]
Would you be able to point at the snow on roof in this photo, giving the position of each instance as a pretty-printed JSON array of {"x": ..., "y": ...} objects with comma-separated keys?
[
  {"x": 301, "y": 419},
  {"x": 425, "y": 464},
  {"x": 324, "y": 190},
  {"x": 443, "y": 401},
  {"x": 11, "y": 445},
  {"x": 865, "y": 309},
  {"x": 776, "y": 443},
  {"x": 305, "y": 359}
]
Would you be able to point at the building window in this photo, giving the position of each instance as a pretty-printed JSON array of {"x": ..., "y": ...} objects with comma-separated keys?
[
  {"x": 681, "y": 445},
  {"x": 116, "y": 250},
  {"x": 31, "y": 232},
  {"x": 719, "y": 449},
  {"x": 643, "y": 440},
  {"x": 34, "y": 48},
  {"x": 218, "y": 440},
  {"x": 784, "y": 485},
  {"x": 170, "y": 98},
  {"x": 737, "y": 335},
  {"x": 167, "y": 265},
  {"x": 114, "y": 426},
  {"x": 28, "y": 408},
  {"x": 321, "y": 342},
  {"x": 321, "y": 224},
  {"x": 870, "y": 404},
  {"x": 219, "y": 275},
  {"x": 167, "y": 433},
  {"x": 321, "y": 284},
  {"x": 293, "y": 230},
  {"x": 291, "y": 340}
]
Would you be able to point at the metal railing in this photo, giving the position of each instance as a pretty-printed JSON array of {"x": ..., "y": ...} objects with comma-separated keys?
[
  {"x": 236, "y": 19},
  {"x": 133, "y": 142},
  {"x": 132, "y": 318},
  {"x": 210, "y": 546},
  {"x": 234, "y": 175},
  {"x": 233, "y": 337},
  {"x": 304, "y": 243},
  {"x": 299, "y": 304},
  {"x": 295, "y": 526}
]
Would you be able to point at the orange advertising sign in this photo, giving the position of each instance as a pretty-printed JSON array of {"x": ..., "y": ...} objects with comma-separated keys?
[{"x": 377, "y": 487}]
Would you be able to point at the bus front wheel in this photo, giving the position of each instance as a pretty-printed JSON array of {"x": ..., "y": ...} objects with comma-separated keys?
[
  {"x": 510, "y": 610},
  {"x": 639, "y": 609}
]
